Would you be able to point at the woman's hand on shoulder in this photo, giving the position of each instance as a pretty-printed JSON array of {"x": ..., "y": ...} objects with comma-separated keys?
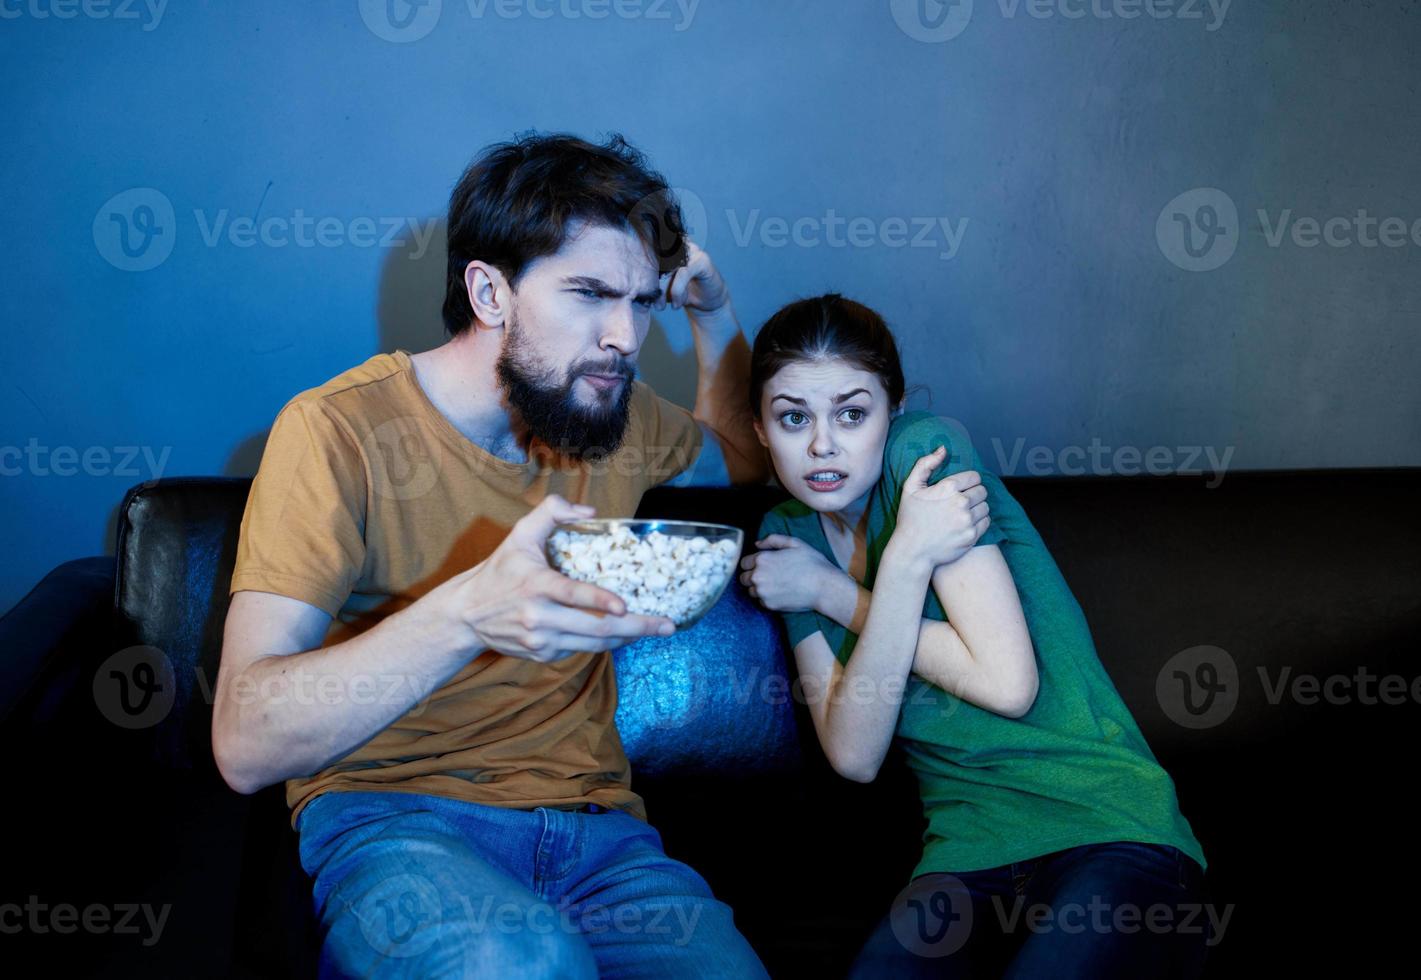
[
  {"x": 786, "y": 574},
  {"x": 938, "y": 524}
]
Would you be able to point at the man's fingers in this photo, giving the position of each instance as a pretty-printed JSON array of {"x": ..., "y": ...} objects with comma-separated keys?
[
  {"x": 590, "y": 626},
  {"x": 570, "y": 592},
  {"x": 676, "y": 289},
  {"x": 538, "y": 523}
]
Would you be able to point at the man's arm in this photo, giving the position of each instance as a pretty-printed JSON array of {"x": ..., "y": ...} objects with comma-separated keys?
[
  {"x": 285, "y": 708},
  {"x": 731, "y": 453}
]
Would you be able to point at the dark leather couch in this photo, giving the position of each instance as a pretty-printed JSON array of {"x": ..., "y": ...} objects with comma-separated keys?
[{"x": 1301, "y": 807}]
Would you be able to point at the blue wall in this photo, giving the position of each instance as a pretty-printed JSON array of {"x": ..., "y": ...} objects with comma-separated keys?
[{"x": 1071, "y": 312}]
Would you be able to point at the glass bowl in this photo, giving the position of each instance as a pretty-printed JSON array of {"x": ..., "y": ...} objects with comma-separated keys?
[{"x": 676, "y": 569}]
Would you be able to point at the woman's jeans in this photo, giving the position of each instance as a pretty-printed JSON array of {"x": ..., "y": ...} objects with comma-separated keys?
[
  {"x": 1121, "y": 909},
  {"x": 410, "y": 885}
]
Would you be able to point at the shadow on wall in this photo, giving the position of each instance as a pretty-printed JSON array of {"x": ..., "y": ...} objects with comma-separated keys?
[{"x": 407, "y": 310}]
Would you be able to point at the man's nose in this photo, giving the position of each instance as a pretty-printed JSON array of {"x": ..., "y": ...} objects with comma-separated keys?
[{"x": 619, "y": 330}]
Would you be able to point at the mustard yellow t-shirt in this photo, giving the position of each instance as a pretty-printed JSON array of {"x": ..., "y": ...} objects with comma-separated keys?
[{"x": 367, "y": 498}]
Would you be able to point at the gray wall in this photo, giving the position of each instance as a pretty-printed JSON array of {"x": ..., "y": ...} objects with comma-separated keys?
[{"x": 1071, "y": 318}]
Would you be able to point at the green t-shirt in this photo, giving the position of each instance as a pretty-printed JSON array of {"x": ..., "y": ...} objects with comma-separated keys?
[{"x": 1073, "y": 770}]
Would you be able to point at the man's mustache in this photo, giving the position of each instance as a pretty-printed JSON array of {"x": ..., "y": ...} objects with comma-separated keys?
[{"x": 619, "y": 368}]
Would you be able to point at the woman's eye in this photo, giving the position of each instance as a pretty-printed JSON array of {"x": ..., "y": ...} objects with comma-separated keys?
[
  {"x": 589, "y": 293},
  {"x": 793, "y": 418},
  {"x": 858, "y": 414}
]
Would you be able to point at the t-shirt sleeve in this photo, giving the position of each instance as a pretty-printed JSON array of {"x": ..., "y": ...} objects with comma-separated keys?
[
  {"x": 303, "y": 530},
  {"x": 671, "y": 437},
  {"x": 921, "y": 437},
  {"x": 798, "y": 625}
]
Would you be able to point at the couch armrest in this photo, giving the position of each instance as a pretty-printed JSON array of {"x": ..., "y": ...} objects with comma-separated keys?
[{"x": 70, "y": 606}]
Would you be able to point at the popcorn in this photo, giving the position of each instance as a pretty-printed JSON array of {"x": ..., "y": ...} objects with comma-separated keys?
[{"x": 656, "y": 575}]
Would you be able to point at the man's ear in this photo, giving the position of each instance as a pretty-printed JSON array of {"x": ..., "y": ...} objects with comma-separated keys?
[{"x": 489, "y": 294}]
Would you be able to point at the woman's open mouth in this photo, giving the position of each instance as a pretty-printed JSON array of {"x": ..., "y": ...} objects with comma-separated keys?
[{"x": 823, "y": 481}]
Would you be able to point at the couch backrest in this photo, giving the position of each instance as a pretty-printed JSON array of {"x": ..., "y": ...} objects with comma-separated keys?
[
  {"x": 1312, "y": 572},
  {"x": 708, "y": 699}
]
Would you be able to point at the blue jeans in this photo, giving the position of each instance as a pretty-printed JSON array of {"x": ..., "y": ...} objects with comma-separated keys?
[
  {"x": 1121, "y": 909},
  {"x": 411, "y": 885}
]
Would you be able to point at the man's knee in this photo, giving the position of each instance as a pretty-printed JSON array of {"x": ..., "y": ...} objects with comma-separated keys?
[
  {"x": 413, "y": 936},
  {"x": 550, "y": 955}
]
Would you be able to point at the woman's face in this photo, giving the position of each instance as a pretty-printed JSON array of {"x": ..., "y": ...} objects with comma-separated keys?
[{"x": 829, "y": 418}]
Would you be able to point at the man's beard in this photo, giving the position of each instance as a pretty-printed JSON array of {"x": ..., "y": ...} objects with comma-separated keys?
[{"x": 550, "y": 409}]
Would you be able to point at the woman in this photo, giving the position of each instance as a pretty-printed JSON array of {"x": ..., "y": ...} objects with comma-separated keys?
[{"x": 919, "y": 618}]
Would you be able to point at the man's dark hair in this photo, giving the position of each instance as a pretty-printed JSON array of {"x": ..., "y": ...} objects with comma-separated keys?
[{"x": 515, "y": 201}]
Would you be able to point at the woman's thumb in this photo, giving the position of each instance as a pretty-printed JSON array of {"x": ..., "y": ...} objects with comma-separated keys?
[{"x": 918, "y": 478}]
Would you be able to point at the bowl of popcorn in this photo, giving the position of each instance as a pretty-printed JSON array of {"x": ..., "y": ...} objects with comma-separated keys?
[{"x": 676, "y": 569}]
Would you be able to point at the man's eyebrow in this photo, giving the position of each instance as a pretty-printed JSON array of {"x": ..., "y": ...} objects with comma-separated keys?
[
  {"x": 606, "y": 289},
  {"x": 837, "y": 398}
]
